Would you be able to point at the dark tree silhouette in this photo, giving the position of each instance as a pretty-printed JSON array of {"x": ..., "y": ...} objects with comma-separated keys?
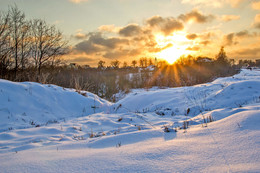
[
  {"x": 101, "y": 64},
  {"x": 4, "y": 43},
  {"x": 47, "y": 43},
  {"x": 16, "y": 24}
]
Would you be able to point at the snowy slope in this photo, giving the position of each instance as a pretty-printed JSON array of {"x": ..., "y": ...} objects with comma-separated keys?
[
  {"x": 230, "y": 92},
  {"x": 30, "y": 104},
  {"x": 129, "y": 136}
]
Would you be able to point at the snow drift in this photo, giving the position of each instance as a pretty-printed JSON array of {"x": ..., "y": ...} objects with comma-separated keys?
[
  {"x": 144, "y": 132},
  {"x": 30, "y": 104}
]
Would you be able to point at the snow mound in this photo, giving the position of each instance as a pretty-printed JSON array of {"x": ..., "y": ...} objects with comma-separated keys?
[
  {"x": 212, "y": 127},
  {"x": 229, "y": 92},
  {"x": 29, "y": 104}
]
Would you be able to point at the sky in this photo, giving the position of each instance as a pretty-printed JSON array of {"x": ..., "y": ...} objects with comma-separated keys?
[{"x": 127, "y": 30}]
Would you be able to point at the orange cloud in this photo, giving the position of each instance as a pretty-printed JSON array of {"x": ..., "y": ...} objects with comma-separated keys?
[
  {"x": 194, "y": 48},
  {"x": 80, "y": 35},
  {"x": 256, "y": 22},
  {"x": 256, "y": 5},
  {"x": 78, "y": 1},
  {"x": 235, "y": 3},
  {"x": 191, "y": 36},
  {"x": 235, "y": 38},
  {"x": 108, "y": 28},
  {"x": 215, "y": 3},
  {"x": 196, "y": 16},
  {"x": 227, "y": 18},
  {"x": 130, "y": 30},
  {"x": 166, "y": 25}
]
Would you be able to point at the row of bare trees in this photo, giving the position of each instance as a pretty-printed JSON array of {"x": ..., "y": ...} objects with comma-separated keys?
[
  {"x": 27, "y": 43},
  {"x": 143, "y": 62}
]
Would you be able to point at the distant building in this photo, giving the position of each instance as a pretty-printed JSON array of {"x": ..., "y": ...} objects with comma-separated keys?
[
  {"x": 73, "y": 66},
  {"x": 204, "y": 59},
  {"x": 86, "y": 66},
  {"x": 232, "y": 61},
  {"x": 151, "y": 67},
  {"x": 257, "y": 62}
]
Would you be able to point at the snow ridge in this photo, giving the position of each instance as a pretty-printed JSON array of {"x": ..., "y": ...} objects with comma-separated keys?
[{"x": 143, "y": 132}]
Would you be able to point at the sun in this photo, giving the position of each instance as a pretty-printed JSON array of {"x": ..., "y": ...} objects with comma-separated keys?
[
  {"x": 178, "y": 46},
  {"x": 172, "y": 54}
]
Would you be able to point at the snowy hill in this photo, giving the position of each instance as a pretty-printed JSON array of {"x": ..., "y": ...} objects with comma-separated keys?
[
  {"x": 212, "y": 127},
  {"x": 30, "y": 104},
  {"x": 229, "y": 92}
]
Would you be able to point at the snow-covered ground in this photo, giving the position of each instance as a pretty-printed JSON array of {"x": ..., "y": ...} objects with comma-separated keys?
[
  {"x": 46, "y": 128},
  {"x": 28, "y": 104}
]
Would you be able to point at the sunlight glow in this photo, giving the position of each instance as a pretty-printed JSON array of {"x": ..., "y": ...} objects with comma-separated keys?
[{"x": 179, "y": 45}]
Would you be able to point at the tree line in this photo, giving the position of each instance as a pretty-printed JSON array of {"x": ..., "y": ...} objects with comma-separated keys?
[
  {"x": 27, "y": 44},
  {"x": 108, "y": 81},
  {"x": 143, "y": 62},
  {"x": 30, "y": 51}
]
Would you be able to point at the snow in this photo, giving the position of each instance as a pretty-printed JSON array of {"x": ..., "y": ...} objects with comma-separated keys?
[
  {"x": 29, "y": 104},
  {"x": 129, "y": 136}
]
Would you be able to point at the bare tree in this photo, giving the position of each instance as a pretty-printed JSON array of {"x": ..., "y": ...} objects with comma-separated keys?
[
  {"x": 115, "y": 64},
  {"x": 101, "y": 64},
  {"x": 47, "y": 43},
  {"x": 125, "y": 64},
  {"x": 4, "y": 42},
  {"x": 221, "y": 57},
  {"x": 16, "y": 23},
  {"x": 25, "y": 45},
  {"x": 150, "y": 62},
  {"x": 134, "y": 62},
  {"x": 143, "y": 62}
]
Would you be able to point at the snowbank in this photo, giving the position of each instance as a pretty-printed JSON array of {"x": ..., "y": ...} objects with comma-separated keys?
[
  {"x": 30, "y": 104},
  {"x": 223, "y": 133}
]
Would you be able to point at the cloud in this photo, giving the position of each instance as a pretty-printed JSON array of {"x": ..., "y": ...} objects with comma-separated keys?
[
  {"x": 205, "y": 42},
  {"x": 108, "y": 28},
  {"x": 235, "y": 3},
  {"x": 229, "y": 39},
  {"x": 215, "y": 3},
  {"x": 81, "y": 60},
  {"x": 227, "y": 18},
  {"x": 137, "y": 40},
  {"x": 96, "y": 42},
  {"x": 78, "y": 1},
  {"x": 249, "y": 51},
  {"x": 166, "y": 25},
  {"x": 191, "y": 36},
  {"x": 256, "y": 22},
  {"x": 120, "y": 54},
  {"x": 97, "y": 39},
  {"x": 244, "y": 33},
  {"x": 159, "y": 49},
  {"x": 130, "y": 30},
  {"x": 256, "y": 5},
  {"x": 80, "y": 36},
  {"x": 193, "y": 48},
  {"x": 196, "y": 16},
  {"x": 87, "y": 47},
  {"x": 234, "y": 38}
]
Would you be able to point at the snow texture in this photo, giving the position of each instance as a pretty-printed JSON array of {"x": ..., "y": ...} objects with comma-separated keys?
[{"x": 46, "y": 128}]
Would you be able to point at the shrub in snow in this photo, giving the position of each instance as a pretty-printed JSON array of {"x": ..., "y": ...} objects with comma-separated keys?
[
  {"x": 185, "y": 125},
  {"x": 120, "y": 119},
  {"x": 118, "y": 145},
  {"x": 166, "y": 129}
]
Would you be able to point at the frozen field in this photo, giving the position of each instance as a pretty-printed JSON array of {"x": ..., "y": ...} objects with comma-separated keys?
[{"x": 212, "y": 127}]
